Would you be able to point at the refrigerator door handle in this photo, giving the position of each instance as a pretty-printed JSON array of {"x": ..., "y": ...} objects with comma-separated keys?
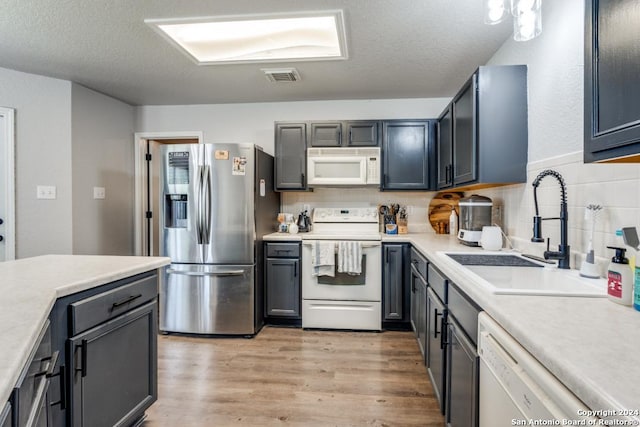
[
  {"x": 199, "y": 206},
  {"x": 206, "y": 219},
  {"x": 207, "y": 273}
]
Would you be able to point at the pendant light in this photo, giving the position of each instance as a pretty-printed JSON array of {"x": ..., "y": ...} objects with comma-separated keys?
[
  {"x": 527, "y": 16},
  {"x": 527, "y": 19}
]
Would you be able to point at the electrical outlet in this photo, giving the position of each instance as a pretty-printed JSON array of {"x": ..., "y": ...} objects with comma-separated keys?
[
  {"x": 99, "y": 193},
  {"x": 46, "y": 192}
]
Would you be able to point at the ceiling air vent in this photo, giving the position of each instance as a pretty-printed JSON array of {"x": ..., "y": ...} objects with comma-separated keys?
[{"x": 281, "y": 75}]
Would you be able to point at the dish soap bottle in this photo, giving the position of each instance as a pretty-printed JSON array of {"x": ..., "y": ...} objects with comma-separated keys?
[
  {"x": 619, "y": 278},
  {"x": 453, "y": 222}
]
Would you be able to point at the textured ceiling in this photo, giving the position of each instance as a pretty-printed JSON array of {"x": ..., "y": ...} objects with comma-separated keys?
[{"x": 397, "y": 49}]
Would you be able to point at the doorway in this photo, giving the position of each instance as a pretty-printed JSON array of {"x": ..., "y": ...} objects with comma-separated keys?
[
  {"x": 147, "y": 185},
  {"x": 7, "y": 184}
]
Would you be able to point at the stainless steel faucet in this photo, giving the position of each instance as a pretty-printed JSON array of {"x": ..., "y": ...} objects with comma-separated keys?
[{"x": 563, "y": 253}]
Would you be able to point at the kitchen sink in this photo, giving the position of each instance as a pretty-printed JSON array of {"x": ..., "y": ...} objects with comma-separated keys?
[
  {"x": 502, "y": 260},
  {"x": 513, "y": 274}
]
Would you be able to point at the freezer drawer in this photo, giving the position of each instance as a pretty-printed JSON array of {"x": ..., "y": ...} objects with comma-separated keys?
[{"x": 208, "y": 299}]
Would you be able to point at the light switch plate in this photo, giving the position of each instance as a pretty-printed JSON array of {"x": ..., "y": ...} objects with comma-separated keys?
[
  {"x": 46, "y": 192},
  {"x": 99, "y": 193}
]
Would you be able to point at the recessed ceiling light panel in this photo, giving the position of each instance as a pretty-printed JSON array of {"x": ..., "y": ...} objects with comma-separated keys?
[{"x": 265, "y": 38}]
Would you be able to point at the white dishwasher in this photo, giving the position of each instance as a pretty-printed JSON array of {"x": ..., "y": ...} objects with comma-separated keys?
[{"x": 514, "y": 386}]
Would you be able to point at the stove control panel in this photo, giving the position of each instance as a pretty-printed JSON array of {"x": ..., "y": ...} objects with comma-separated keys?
[{"x": 368, "y": 214}]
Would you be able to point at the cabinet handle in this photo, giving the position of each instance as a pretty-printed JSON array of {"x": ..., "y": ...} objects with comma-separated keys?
[
  {"x": 302, "y": 179},
  {"x": 451, "y": 174},
  {"x": 295, "y": 269},
  {"x": 283, "y": 250},
  {"x": 63, "y": 388},
  {"x": 83, "y": 358},
  {"x": 435, "y": 323},
  {"x": 125, "y": 301},
  {"x": 443, "y": 335},
  {"x": 52, "y": 364}
]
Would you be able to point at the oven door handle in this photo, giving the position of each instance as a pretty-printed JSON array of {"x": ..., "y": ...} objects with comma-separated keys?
[{"x": 364, "y": 245}]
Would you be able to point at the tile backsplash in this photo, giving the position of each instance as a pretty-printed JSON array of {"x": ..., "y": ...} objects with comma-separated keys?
[{"x": 614, "y": 186}]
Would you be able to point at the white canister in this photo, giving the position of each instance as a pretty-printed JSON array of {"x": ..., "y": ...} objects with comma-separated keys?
[
  {"x": 293, "y": 228},
  {"x": 491, "y": 239}
]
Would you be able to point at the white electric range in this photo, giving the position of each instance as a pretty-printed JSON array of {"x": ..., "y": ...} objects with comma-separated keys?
[{"x": 344, "y": 301}]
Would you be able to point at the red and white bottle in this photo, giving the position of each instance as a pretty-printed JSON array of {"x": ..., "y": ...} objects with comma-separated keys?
[{"x": 619, "y": 278}]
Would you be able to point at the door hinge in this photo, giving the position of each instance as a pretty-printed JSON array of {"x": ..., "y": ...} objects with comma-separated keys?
[
  {"x": 148, "y": 214},
  {"x": 147, "y": 157}
]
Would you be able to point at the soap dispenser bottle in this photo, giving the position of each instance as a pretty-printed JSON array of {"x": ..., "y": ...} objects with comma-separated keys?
[{"x": 619, "y": 278}]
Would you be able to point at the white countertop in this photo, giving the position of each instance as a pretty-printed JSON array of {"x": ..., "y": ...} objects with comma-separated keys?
[{"x": 29, "y": 288}]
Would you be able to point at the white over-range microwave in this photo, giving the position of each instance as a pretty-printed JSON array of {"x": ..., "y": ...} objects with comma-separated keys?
[{"x": 343, "y": 166}]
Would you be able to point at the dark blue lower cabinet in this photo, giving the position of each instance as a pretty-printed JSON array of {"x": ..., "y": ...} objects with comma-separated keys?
[{"x": 462, "y": 378}]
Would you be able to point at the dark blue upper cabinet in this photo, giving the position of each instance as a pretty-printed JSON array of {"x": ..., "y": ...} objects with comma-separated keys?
[
  {"x": 483, "y": 132},
  {"x": 611, "y": 87},
  {"x": 353, "y": 133},
  {"x": 408, "y": 154}
]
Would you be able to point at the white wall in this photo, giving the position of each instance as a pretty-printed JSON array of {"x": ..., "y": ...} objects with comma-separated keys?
[
  {"x": 555, "y": 78},
  {"x": 43, "y": 157},
  {"x": 102, "y": 156},
  {"x": 238, "y": 123}
]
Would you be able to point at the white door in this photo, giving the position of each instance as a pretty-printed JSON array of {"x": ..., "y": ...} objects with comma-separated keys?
[{"x": 7, "y": 185}]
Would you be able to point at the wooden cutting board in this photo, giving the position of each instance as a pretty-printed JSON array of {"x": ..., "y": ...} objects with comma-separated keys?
[{"x": 440, "y": 209}]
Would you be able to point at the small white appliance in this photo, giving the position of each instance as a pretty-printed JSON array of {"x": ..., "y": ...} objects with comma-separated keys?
[
  {"x": 343, "y": 301},
  {"x": 515, "y": 387},
  {"x": 343, "y": 166},
  {"x": 475, "y": 213}
]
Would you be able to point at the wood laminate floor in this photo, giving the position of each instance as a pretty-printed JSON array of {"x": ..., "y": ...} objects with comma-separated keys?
[{"x": 291, "y": 377}]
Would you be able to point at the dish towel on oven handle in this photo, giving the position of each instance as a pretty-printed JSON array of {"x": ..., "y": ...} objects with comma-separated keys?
[
  {"x": 323, "y": 261},
  {"x": 350, "y": 257}
]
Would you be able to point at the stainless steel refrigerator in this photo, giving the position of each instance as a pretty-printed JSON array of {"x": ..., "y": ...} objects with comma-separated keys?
[{"x": 217, "y": 202}]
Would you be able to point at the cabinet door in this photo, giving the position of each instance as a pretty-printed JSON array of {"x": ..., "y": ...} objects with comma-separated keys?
[
  {"x": 115, "y": 365},
  {"x": 464, "y": 134},
  {"x": 462, "y": 379},
  {"x": 290, "y": 158},
  {"x": 393, "y": 281},
  {"x": 435, "y": 358},
  {"x": 445, "y": 153},
  {"x": 406, "y": 155},
  {"x": 325, "y": 134},
  {"x": 612, "y": 66},
  {"x": 283, "y": 287},
  {"x": 363, "y": 133}
]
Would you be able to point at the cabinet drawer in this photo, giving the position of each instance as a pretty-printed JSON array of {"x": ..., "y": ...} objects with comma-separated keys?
[
  {"x": 438, "y": 283},
  {"x": 419, "y": 263},
  {"x": 283, "y": 250},
  {"x": 465, "y": 312},
  {"x": 97, "y": 309}
]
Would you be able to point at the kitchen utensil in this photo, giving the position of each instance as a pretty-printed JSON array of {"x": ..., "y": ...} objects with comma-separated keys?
[
  {"x": 491, "y": 239},
  {"x": 589, "y": 267}
]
